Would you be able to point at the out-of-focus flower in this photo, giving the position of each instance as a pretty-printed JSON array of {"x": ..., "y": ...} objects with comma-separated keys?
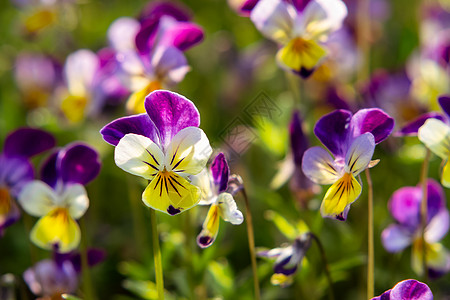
[
  {"x": 54, "y": 277},
  {"x": 214, "y": 186},
  {"x": 352, "y": 140},
  {"x": 404, "y": 206},
  {"x": 91, "y": 81},
  {"x": 164, "y": 146},
  {"x": 243, "y": 7},
  {"x": 150, "y": 51},
  {"x": 300, "y": 27},
  {"x": 407, "y": 289},
  {"x": 60, "y": 198},
  {"x": 37, "y": 76},
  {"x": 291, "y": 168},
  {"x": 435, "y": 134},
  {"x": 288, "y": 259},
  {"x": 16, "y": 170}
]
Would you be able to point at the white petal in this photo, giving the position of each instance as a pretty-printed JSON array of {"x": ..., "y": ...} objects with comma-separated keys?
[
  {"x": 438, "y": 227},
  {"x": 188, "y": 152},
  {"x": 435, "y": 134},
  {"x": 275, "y": 19},
  {"x": 204, "y": 181},
  {"x": 319, "y": 166},
  {"x": 122, "y": 33},
  {"x": 360, "y": 154},
  {"x": 76, "y": 200},
  {"x": 286, "y": 169},
  {"x": 320, "y": 18},
  {"x": 138, "y": 155},
  {"x": 229, "y": 209},
  {"x": 79, "y": 70},
  {"x": 169, "y": 65},
  {"x": 37, "y": 198}
]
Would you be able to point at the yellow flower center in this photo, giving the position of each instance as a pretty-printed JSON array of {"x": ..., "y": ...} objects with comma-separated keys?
[{"x": 135, "y": 103}]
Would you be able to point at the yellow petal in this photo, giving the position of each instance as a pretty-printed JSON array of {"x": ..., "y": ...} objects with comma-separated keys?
[
  {"x": 170, "y": 193},
  {"x": 5, "y": 201},
  {"x": 58, "y": 228},
  {"x": 39, "y": 20},
  {"x": 445, "y": 176},
  {"x": 135, "y": 103},
  {"x": 436, "y": 256},
  {"x": 301, "y": 55},
  {"x": 74, "y": 108},
  {"x": 210, "y": 227},
  {"x": 281, "y": 279},
  {"x": 339, "y": 197}
]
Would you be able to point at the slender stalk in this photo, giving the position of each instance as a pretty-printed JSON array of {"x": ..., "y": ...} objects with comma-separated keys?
[
  {"x": 157, "y": 257},
  {"x": 362, "y": 35},
  {"x": 251, "y": 244},
  {"x": 424, "y": 210},
  {"x": 85, "y": 271},
  {"x": 325, "y": 265},
  {"x": 370, "y": 242}
]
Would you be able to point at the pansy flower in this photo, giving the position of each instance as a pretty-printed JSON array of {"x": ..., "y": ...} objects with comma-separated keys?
[
  {"x": 288, "y": 259},
  {"x": 407, "y": 289},
  {"x": 214, "y": 186},
  {"x": 150, "y": 51},
  {"x": 351, "y": 139},
  {"x": 60, "y": 198},
  {"x": 300, "y": 27},
  {"x": 404, "y": 206},
  {"x": 164, "y": 146},
  {"x": 91, "y": 81},
  {"x": 16, "y": 170}
]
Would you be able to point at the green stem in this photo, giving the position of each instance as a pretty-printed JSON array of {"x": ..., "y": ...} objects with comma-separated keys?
[
  {"x": 251, "y": 244},
  {"x": 370, "y": 242},
  {"x": 157, "y": 257},
  {"x": 424, "y": 210},
  {"x": 85, "y": 271},
  {"x": 325, "y": 265}
]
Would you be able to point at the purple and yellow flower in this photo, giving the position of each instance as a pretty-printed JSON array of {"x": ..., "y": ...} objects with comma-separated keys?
[
  {"x": 214, "y": 186},
  {"x": 410, "y": 289},
  {"x": 150, "y": 51},
  {"x": 352, "y": 140},
  {"x": 435, "y": 134},
  {"x": 288, "y": 259},
  {"x": 16, "y": 170},
  {"x": 404, "y": 206},
  {"x": 164, "y": 146},
  {"x": 60, "y": 198},
  {"x": 301, "y": 28}
]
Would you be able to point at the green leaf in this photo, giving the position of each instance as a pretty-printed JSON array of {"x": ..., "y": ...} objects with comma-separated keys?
[
  {"x": 70, "y": 297},
  {"x": 282, "y": 224}
]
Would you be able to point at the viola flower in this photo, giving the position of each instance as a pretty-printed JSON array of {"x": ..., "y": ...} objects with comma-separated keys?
[
  {"x": 150, "y": 51},
  {"x": 300, "y": 27},
  {"x": 16, "y": 169},
  {"x": 292, "y": 166},
  {"x": 407, "y": 289},
  {"x": 404, "y": 206},
  {"x": 91, "y": 81},
  {"x": 352, "y": 140},
  {"x": 60, "y": 198},
  {"x": 288, "y": 259},
  {"x": 214, "y": 187},
  {"x": 164, "y": 146},
  {"x": 435, "y": 134}
]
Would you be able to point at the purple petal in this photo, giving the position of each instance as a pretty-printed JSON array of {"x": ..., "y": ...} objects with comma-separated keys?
[
  {"x": 170, "y": 112},
  {"x": 170, "y": 64},
  {"x": 182, "y": 35},
  {"x": 300, "y": 4},
  {"x": 157, "y": 9},
  {"x": 373, "y": 120},
  {"x": 138, "y": 124},
  {"x": 435, "y": 198},
  {"x": 444, "y": 102},
  {"x": 385, "y": 296},
  {"x": 247, "y": 6},
  {"x": 146, "y": 35},
  {"x": 412, "y": 290},
  {"x": 28, "y": 142},
  {"x": 411, "y": 128},
  {"x": 396, "y": 237},
  {"x": 49, "y": 170},
  {"x": 79, "y": 163},
  {"x": 404, "y": 206},
  {"x": 220, "y": 172},
  {"x": 94, "y": 256},
  {"x": 332, "y": 130},
  {"x": 12, "y": 213},
  {"x": 15, "y": 172},
  {"x": 299, "y": 142}
]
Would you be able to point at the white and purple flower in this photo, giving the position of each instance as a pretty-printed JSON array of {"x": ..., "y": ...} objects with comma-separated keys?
[
  {"x": 409, "y": 289},
  {"x": 16, "y": 169},
  {"x": 351, "y": 139},
  {"x": 60, "y": 198},
  {"x": 164, "y": 146}
]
